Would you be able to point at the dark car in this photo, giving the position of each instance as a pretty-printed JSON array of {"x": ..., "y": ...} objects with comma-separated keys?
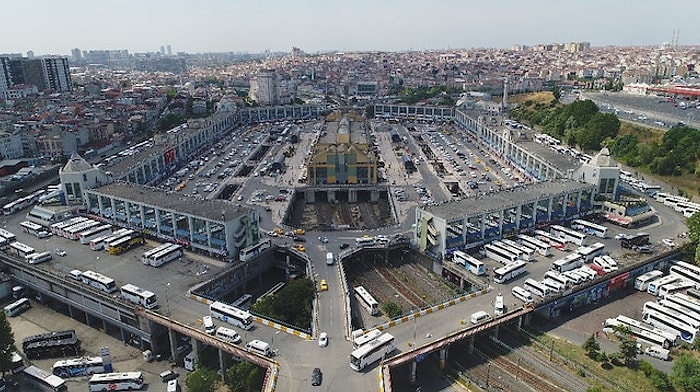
[
  {"x": 344, "y": 245},
  {"x": 316, "y": 377},
  {"x": 299, "y": 239},
  {"x": 168, "y": 375}
]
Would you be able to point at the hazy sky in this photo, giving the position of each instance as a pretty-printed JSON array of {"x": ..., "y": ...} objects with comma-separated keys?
[{"x": 57, "y": 26}]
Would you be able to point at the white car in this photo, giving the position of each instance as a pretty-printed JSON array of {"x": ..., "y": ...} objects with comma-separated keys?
[
  {"x": 323, "y": 339},
  {"x": 668, "y": 242},
  {"x": 620, "y": 236},
  {"x": 60, "y": 252}
]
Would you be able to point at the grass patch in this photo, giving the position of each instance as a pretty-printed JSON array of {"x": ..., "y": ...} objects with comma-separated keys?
[{"x": 575, "y": 359}]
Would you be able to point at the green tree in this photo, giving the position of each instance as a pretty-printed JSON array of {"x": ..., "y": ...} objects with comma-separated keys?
[
  {"x": 628, "y": 346},
  {"x": 202, "y": 379},
  {"x": 291, "y": 305},
  {"x": 599, "y": 127},
  {"x": 245, "y": 377},
  {"x": 686, "y": 373},
  {"x": 392, "y": 309},
  {"x": 591, "y": 346},
  {"x": 7, "y": 343}
]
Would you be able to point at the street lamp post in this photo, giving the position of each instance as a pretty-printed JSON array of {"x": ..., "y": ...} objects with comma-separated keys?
[
  {"x": 488, "y": 373},
  {"x": 167, "y": 302}
]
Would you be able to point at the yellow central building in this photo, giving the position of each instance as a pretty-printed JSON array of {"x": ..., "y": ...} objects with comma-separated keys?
[{"x": 343, "y": 155}]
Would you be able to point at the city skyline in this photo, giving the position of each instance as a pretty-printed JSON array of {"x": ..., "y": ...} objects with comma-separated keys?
[{"x": 317, "y": 26}]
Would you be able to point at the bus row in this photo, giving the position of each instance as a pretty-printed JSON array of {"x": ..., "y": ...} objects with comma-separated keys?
[
  {"x": 45, "y": 381},
  {"x": 129, "y": 292},
  {"x": 23, "y": 202},
  {"x": 162, "y": 254},
  {"x": 682, "y": 277},
  {"x": 679, "y": 203}
]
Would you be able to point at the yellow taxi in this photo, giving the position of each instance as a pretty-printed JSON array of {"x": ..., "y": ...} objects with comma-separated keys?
[
  {"x": 322, "y": 285},
  {"x": 299, "y": 231},
  {"x": 300, "y": 247}
]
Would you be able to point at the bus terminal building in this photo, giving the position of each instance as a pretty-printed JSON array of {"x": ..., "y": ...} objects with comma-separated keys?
[
  {"x": 474, "y": 221},
  {"x": 212, "y": 227}
]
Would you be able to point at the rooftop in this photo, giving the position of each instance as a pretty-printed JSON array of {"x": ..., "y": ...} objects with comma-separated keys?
[
  {"x": 209, "y": 209},
  {"x": 511, "y": 197}
]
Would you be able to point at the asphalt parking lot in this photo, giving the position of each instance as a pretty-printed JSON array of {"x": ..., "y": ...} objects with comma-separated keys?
[{"x": 40, "y": 319}]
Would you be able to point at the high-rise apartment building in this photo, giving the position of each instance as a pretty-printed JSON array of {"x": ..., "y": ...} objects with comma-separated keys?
[
  {"x": 51, "y": 73},
  {"x": 264, "y": 89}
]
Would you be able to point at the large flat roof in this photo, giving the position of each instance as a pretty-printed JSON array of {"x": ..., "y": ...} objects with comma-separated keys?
[
  {"x": 192, "y": 205},
  {"x": 508, "y": 197}
]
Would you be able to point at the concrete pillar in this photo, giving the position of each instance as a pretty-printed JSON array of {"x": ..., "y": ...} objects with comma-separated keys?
[
  {"x": 519, "y": 324},
  {"x": 374, "y": 196},
  {"x": 172, "y": 336},
  {"x": 495, "y": 331},
  {"x": 443, "y": 357},
  {"x": 309, "y": 196},
  {"x": 414, "y": 367},
  {"x": 223, "y": 363},
  {"x": 470, "y": 345},
  {"x": 331, "y": 196}
]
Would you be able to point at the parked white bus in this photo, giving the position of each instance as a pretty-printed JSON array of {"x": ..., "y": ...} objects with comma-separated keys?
[
  {"x": 94, "y": 232},
  {"x": 536, "y": 288},
  {"x": 37, "y": 258},
  {"x": 591, "y": 251},
  {"x": 522, "y": 294},
  {"x": 653, "y": 306},
  {"x": 543, "y": 248},
  {"x": 78, "y": 367},
  {"x": 673, "y": 288},
  {"x": 655, "y": 285},
  {"x": 562, "y": 279},
  {"x": 167, "y": 255},
  {"x": 568, "y": 263},
  {"x": 361, "y": 242},
  {"x": 469, "y": 262},
  {"x": 366, "y": 300},
  {"x": 642, "y": 336},
  {"x": 115, "y": 382},
  {"x": 20, "y": 249},
  {"x": 553, "y": 240},
  {"x": 365, "y": 338},
  {"x": 17, "y": 307},
  {"x": 99, "y": 281},
  {"x": 642, "y": 281},
  {"x": 231, "y": 315},
  {"x": 525, "y": 253},
  {"x": 43, "y": 380},
  {"x": 568, "y": 235},
  {"x": 372, "y": 352},
  {"x": 685, "y": 332},
  {"x": 636, "y": 324},
  {"x": 139, "y": 296},
  {"x": 509, "y": 272},
  {"x": 499, "y": 254},
  {"x": 590, "y": 228}
]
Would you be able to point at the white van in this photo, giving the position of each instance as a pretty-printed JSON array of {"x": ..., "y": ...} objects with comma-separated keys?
[
  {"x": 522, "y": 294},
  {"x": 560, "y": 278},
  {"x": 657, "y": 352},
  {"x": 76, "y": 274},
  {"x": 479, "y": 317},
  {"x": 258, "y": 347},
  {"x": 173, "y": 386},
  {"x": 228, "y": 335},
  {"x": 499, "y": 307},
  {"x": 329, "y": 258},
  {"x": 209, "y": 327},
  {"x": 188, "y": 362}
]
